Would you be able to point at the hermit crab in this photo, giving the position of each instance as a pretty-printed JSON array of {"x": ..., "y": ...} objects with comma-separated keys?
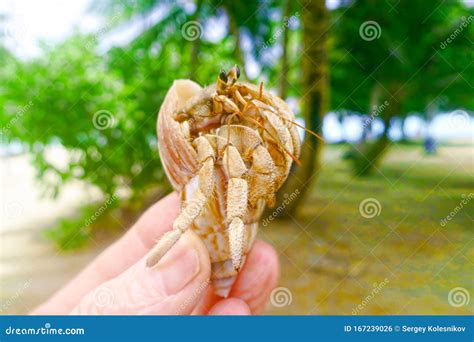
[{"x": 226, "y": 149}]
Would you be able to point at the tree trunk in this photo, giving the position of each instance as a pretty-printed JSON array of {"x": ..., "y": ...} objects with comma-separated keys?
[
  {"x": 366, "y": 129},
  {"x": 374, "y": 103},
  {"x": 403, "y": 130},
  {"x": 369, "y": 155},
  {"x": 313, "y": 101},
  {"x": 284, "y": 56}
]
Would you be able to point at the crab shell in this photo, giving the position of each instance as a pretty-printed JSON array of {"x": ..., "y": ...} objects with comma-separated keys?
[{"x": 180, "y": 162}]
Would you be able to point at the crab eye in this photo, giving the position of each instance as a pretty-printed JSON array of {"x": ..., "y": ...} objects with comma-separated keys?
[
  {"x": 237, "y": 71},
  {"x": 223, "y": 76}
]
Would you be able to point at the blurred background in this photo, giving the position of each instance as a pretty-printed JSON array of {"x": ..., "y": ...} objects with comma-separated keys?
[{"x": 377, "y": 220}]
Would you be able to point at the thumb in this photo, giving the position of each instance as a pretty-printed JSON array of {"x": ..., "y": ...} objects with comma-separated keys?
[{"x": 174, "y": 286}]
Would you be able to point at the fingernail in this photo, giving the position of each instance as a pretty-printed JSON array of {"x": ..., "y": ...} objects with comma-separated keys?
[{"x": 176, "y": 273}]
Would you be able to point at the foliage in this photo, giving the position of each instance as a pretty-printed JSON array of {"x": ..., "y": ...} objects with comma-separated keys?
[
  {"x": 396, "y": 53},
  {"x": 406, "y": 60},
  {"x": 66, "y": 235},
  {"x": 73, "y": 233},
  {"x": 66, "y": 88}
]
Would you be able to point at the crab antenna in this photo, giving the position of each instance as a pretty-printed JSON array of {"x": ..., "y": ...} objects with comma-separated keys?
[{"x": 301, "y": 126}]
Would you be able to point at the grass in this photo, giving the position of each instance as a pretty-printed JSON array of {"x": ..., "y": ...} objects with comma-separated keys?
[{"x": 402, "y": 261}]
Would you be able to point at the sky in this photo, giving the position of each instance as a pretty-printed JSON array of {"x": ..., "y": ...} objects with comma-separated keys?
[
  {"x": 29, "y": 21},
  {"x": 51, "y": 21}
]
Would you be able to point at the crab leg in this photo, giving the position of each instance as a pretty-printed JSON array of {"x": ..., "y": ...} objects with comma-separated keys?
[
  {"x": 262, "y": 177},
  {"x": 237, "y": 195},
  {"x": 239, "y": 144},
  {"x": 194, "y": 206}
]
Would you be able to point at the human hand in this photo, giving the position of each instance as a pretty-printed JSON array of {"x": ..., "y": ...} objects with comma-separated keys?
[{"x": 118, "y": 281}]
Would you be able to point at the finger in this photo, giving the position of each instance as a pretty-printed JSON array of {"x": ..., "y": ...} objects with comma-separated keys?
[
  {"x": 173, "y": 286},
  {"x": 255, "y": 282},
  {"x": 208, "y": 300},
  {"x": 230, "y": 306},
  {"x": 118, "y": 257},
  {"x": 258, "y": 277}
]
